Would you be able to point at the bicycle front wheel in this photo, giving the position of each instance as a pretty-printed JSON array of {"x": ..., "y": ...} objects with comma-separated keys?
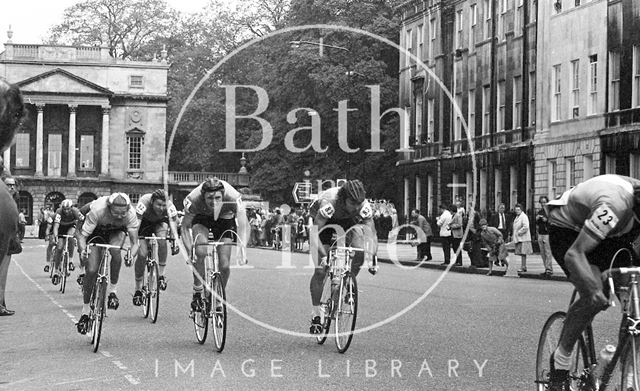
[
  {"x": 325, "y": 305},
  {"x": 628, "y": 363},
  {"x": 346, "y": 309},
  {"x": 98, "y": 313},
  {"x": 218, "y": 312},
  {"x": 153, "y": 295},
  {"x": 579, "y": 371},
  {"x": 65, "y": 268},
  {"x": 145, "y": 292}
]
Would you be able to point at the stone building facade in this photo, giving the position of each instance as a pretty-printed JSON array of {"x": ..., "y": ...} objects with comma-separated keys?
[{"x": 95, "y": 124}]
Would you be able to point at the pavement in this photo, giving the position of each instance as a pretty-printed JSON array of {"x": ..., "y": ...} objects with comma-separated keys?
[{"x": 405, "y": 254}]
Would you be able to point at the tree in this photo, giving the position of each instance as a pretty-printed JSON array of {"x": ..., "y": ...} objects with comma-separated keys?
[{"x": 126, "y": 27}]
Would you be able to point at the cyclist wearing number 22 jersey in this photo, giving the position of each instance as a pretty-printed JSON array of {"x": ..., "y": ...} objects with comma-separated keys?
[
  {"x": 588, "y": 225},
  {"x": 346, "y": 207}
]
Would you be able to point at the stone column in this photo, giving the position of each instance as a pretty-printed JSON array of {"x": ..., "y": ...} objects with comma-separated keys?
[
  {"x": 71, "y": 171},
  {"x": 39, "y": 139},
  {"x": 104, "y": 167},
  {"x": 7, "y": 159}
]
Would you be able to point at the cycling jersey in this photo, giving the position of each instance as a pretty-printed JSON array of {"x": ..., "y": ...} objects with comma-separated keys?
[
  {"x": 99, "y": 216},
  {"x": 330, "y": 207},
  {"x": 194, "y": 204},
  {"x": 68, "y": 218},
  {"x": 601, "y": 205},
  {"x": 145, "y": 211}
]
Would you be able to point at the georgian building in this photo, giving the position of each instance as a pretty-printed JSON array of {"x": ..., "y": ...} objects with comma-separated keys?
[
  {"x": 480, "y": 55},
  {"x": 95, "y": 124}
]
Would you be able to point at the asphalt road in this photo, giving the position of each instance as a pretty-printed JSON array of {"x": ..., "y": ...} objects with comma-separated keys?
[{"x": 470, "y": 332}]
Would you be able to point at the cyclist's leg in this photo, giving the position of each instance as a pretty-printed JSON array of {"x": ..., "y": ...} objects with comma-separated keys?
[
  {"x": 140, "y": 264},
  {"x": 202, "y": 233},
  {"x": 162, "y": 230},
  {"x": 224, "y": 252},
  {"x": 58, "y": 253},
  {"x": 356, "y": 238},
  {"x": 91, "y": 270},
  {"x": 70, "y": 247},
  {"x": 116, "y": 238}
]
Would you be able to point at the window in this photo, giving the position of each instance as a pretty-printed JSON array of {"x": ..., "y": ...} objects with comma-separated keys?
[
  {"x": 575, "y": 88},
  {"x": 551, "y": 179},
  {"x": 577, "y": 3},
  {"x": 517, "y": 102},
  {"x": 636, "y": 76},
  {"x": 486, "y": 107},
  {"x": 55, "y": 155},
  {"x": 134, "y": 197},
  {"x": 23, "y": 150},
  {"x": 472, "y": 113},
  {"x": 135, "y": 151},
  {"x": 570, "y": 173},
  {"x": 614, "y": 76},
  {"x": 432, "y": 35},
  {"x": 504, "y": 6},
  {"x": 487, "y": 18},
  {"x": 533, "y": 10},
  {"x": 86, "y": 152},
  {"x": 418, "y": 119},
  {"x": 408, "y": 39},
  {"x": 136, "y": 81},
  {"x": 634, "y": 163},
  {"x": 557, "y": 6},
  {"x": 454, "y": 188},
  {"x": 420, "y": 52},
  {"x": 587, "y": 167},
  {"x": 517, "y": 23},
  {"x": 532, "y": 98},
  {"x": 430, "y": 119},
  {"x": 459, "y": 29},
  {"x": 473, "y": 20},
  {"x": 557, "y": 106},
  {"x": 457, "y": 129},
  {"x": 593, "y": 84},
  {"x": 501, "y": 106}
]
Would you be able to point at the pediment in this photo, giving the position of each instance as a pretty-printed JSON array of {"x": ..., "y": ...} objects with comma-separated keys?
[{"x": 59, "y": 81}]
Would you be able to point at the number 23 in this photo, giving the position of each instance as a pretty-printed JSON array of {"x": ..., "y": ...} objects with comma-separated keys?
[{"x": 604, "y": 218}]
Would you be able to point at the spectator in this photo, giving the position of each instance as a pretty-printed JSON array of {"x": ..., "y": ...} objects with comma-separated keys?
[
  {"x": 474, "y": 243},
  {"x": 493, "y": 241},
  {"x": 503, "y": 222},
  {"x": 542, "y": 225},
  {"x": 445, "y": 232},
  {"x": 22, "y": 222},
  {"x": 457, "y": 229},
  {"x": 424, "y": 248},
  {"x": 255, "y": 222},
  {"x": 522, "y": 237}
]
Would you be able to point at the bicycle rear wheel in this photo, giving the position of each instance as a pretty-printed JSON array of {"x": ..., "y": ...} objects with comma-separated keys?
[
  {"x": 579, "y": 371},
  {"x": 52, "y": 262},
  {"x": 346, "y": 312},
  {"x": 625, "y": 372},
  {"x": 325, "y": 305},
  {"x": 218, "y": 312},
  {"x": 98, "y": 313},
  {"x": 153, "y": 295},
  {"x": 65, "y": 268}
]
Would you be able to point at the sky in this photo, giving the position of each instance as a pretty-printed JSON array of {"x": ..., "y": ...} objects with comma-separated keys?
[{"x": 31, "y": 19}]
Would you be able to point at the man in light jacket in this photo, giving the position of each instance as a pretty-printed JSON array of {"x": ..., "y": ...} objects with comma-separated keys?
[
  {"x": 445, "y": 232},
  {"x": 424, "y": 248}
]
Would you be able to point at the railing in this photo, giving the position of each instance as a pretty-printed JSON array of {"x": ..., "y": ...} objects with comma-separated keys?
[
  {"x": 623, "y": 117},
  {"x": 25, "y": 51},
  {"x": 426, "y": 150},
  {"x": 194, "y": 178},
  {"x": 88, "y": 53}
]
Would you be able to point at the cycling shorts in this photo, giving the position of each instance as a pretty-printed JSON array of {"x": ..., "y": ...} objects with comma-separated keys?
[
  {"x": 217, "y": 227},
  {"x": 147, "y": 227}
]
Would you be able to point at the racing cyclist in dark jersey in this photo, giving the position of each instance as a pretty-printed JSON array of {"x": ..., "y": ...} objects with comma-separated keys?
[
  {"x": 588, "y": 225},
  {"x": 156, "y": 215},
  {"x": 346, "y": 207},
  {"x": 65, "y": 221}
]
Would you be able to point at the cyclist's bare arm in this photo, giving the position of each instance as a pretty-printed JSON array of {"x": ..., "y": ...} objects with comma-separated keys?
[
  {"x": 243, "y": 224},
  {"x": 82, "y": 243},
  {"x": 187, "y": 223},
  {"x": 173, "y": 228},
  {"x": 56, "y": 226},
  {"x": 319, "y": 222},
  {"x": 133, "y": 240},
  {"x": 588, "y": 284}
]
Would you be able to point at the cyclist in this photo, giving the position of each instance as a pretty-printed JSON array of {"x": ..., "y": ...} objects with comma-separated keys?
[
  {"x": 108, "y": 218},
  {"x": 64, "y": 223},
  {"x": 214, "y": 206},
  {"x": 156, "y": 215},
  {"x": 345, "y": 206},
  {"x": 49, "y": 215},
  {"x": 588, "y": 224}
]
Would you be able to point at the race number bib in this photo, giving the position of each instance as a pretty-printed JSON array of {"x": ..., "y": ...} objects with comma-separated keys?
[
  {"x": 141, "y": 208},
  {"x": 365, "y": 211},
  {"x": 58, "y": 219},
  {"x": 603, "y": 220},
  {"x": 172, "y": 211},
  {"x": 327, "y": 211},
  {"x": 187, "y": 205}
]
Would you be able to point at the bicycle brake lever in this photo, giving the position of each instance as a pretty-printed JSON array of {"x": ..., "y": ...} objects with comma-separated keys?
[{"x": 612, "y": 293}]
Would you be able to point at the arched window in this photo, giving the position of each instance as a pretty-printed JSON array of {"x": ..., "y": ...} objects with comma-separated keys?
[
  {"x": 85, "y": 198},
  {"x": 54, "y": 198},
  {"x": 25, "y": 201}
]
